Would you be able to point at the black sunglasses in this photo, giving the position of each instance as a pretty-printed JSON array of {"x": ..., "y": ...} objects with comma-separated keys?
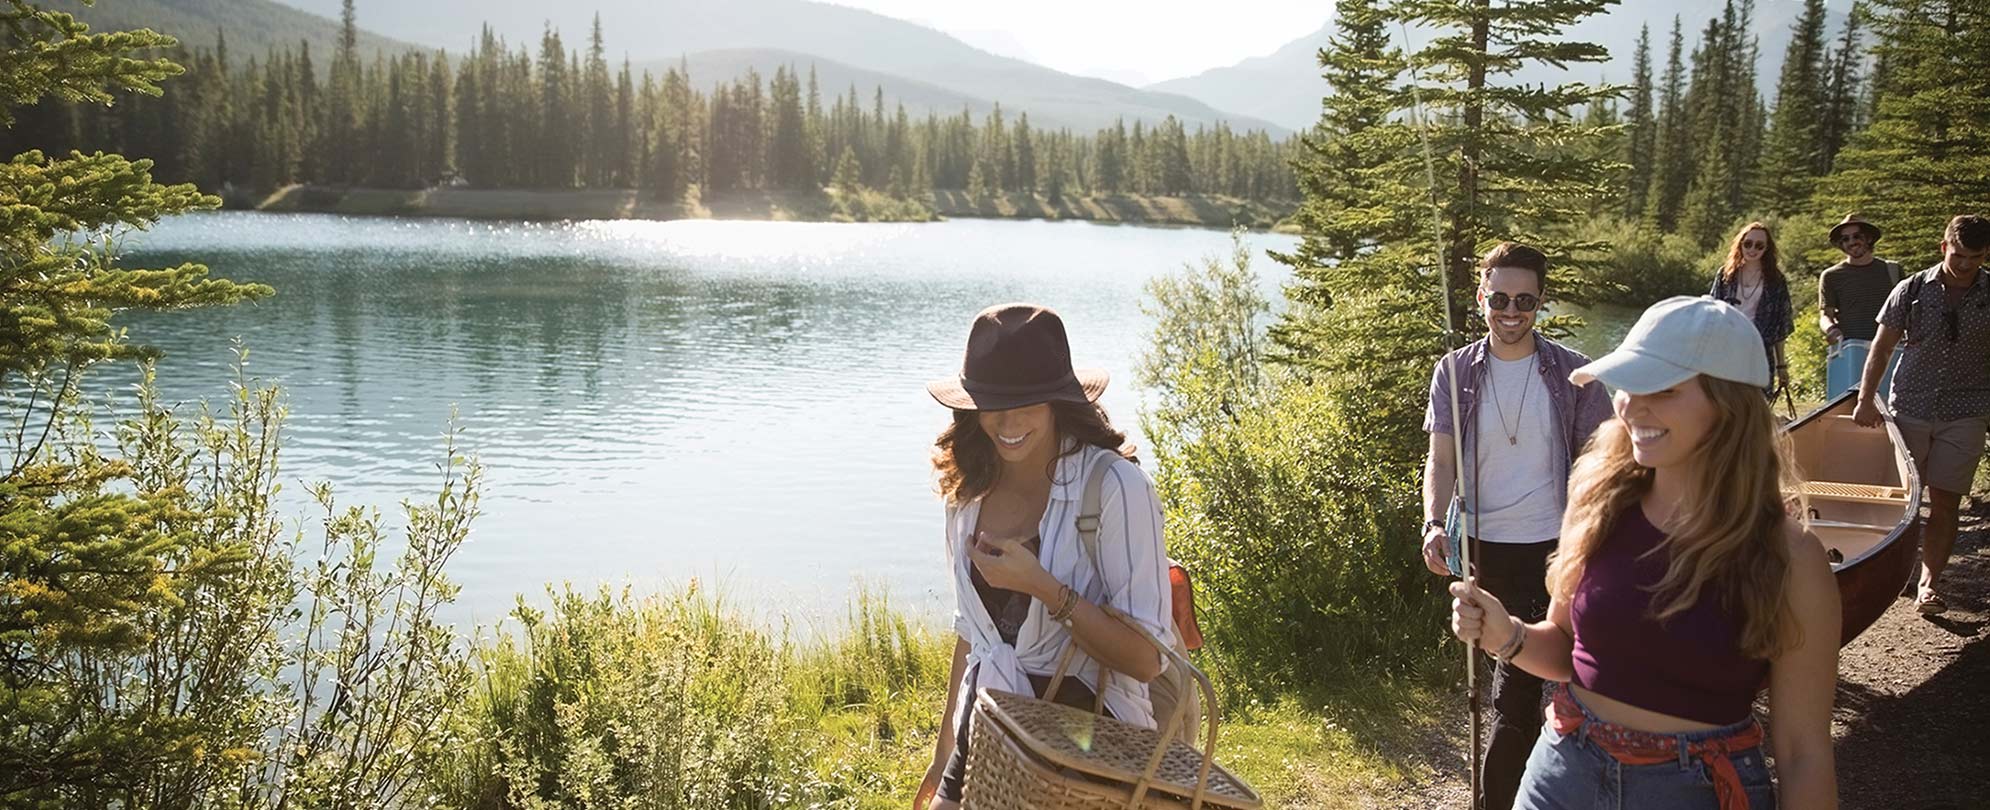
[{"x": 1525, "y": 302}]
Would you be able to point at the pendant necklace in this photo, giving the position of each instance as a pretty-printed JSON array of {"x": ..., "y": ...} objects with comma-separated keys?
[{"x": 1513, "y": 434}]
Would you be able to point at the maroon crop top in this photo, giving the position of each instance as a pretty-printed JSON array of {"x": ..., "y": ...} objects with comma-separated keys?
[{"x": 1690, "y": 666}]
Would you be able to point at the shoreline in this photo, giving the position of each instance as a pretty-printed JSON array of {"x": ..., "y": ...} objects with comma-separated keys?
[{"x": 827, "y": 205}]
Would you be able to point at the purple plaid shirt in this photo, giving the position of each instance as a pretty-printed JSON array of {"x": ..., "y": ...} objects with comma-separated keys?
[{"x": 1577, "y": 409}]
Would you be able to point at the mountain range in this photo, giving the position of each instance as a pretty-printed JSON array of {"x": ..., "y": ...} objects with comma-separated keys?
[
  {"x": 767, "y": 33},
  {"x": 925, "y": 69},
  {"x": 1285, "y": 86}
]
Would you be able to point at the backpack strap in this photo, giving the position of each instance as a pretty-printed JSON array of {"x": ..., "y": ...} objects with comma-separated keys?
[
  {"x": 1913, "y": 297},
  {"x": 1088, "y": 514}
]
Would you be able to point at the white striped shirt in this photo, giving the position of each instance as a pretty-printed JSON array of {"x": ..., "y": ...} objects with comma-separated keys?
[{"x": 1132, "y": 559}]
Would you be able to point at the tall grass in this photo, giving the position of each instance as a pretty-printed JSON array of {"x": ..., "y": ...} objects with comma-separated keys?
[{"x": 614, "y": 700}]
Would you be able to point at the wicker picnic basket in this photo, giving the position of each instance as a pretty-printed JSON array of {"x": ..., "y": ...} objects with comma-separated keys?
[{"x": 1030, "y": 754}]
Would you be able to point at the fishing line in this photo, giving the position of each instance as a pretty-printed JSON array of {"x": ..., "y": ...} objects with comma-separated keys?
[{"x": 1467, "y": 519}]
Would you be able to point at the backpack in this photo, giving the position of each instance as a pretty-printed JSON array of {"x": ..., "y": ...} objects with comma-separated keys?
[{"x": 1172, "y": 689}]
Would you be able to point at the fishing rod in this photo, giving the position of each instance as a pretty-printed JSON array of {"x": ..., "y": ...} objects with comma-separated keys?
[{"x": 1467, "y": 519}]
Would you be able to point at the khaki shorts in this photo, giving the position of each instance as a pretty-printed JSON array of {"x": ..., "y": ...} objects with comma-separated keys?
[{"x": 1946, "y": 453}]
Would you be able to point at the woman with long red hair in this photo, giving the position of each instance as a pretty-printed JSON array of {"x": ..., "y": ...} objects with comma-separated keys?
[{"x": 1752, "y": 280}]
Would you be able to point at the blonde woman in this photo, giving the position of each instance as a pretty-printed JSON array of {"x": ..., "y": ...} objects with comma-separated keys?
[
  {"x": 1752, "y": 280},
  {"x": 1025, "y": 436},
  {"x": 1681, "y": 585}
]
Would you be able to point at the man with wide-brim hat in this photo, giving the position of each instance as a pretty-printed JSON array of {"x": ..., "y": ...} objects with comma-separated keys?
[{"x": 1849, "y": 296}]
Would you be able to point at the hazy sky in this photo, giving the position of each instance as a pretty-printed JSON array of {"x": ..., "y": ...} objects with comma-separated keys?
[{"x": 1123, "y": 40}]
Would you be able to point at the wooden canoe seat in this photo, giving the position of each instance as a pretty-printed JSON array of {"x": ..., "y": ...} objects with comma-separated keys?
[{"x": 1859, "y": 493}]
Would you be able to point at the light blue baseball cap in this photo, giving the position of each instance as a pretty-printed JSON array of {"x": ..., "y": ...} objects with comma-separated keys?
[{"x": 1677, "y": 339}]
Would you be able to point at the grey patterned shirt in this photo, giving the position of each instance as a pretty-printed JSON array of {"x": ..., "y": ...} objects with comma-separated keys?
[{"x": 1944, "y": 375}]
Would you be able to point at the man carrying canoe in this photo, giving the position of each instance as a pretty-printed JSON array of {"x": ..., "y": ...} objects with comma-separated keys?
[
  {"x": 1941, "y": 389},
  {"x": 1523, "y": 425}
]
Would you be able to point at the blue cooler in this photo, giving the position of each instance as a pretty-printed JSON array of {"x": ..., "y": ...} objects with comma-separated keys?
[{"x": 1845, "y": 360}]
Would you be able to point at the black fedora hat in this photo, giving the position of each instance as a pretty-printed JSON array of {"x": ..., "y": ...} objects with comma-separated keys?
[
  {"x": 1854, "y": 220},
  {"x": 1017, "y": 355}
]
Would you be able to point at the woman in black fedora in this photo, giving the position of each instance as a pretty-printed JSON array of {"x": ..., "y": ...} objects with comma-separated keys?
[{"x": 1013, "y": 464}]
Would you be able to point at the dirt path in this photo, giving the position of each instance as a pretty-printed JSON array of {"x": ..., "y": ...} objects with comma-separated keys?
[{"x": 1912, "y": 718}]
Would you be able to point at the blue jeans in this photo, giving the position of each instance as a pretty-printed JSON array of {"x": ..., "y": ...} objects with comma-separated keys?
[{"x": 1573, "y": 773}]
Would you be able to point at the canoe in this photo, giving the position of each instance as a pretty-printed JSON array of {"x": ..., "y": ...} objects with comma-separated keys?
[{"x": 1864, "y": 502}]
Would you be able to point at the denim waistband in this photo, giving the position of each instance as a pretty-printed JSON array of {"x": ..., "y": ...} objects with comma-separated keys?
[
  {"x": 1683, "y": 740},
  {"x": 1714, "y": 747}
]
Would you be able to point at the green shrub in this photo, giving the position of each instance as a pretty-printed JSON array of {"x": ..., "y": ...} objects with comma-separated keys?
[
  {"x": 613, "y": 700},
  {"x": 173, "y": 649},
  {"x": 1646, "y": 266},
  {"x": 1298, "y": 522}
]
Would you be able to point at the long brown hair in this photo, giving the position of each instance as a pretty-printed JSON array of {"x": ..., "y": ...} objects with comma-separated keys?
[
  {"x": 1727, "y": 534},
  {"x": 1772, "y": 268},
  {"x": 966, "y": 460}
]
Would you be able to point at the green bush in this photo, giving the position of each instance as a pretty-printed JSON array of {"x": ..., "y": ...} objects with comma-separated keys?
[
  {"x": 612, "y": 700},
  {"x": 1646, "y": 266},
  {"x": 860, "y": 204},
  {"x": 172, "y": 648},
  {"x": 1298, "y": 522}
]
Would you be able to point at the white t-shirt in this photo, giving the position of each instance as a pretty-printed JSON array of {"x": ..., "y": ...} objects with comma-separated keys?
[
  {"x": 1517, "y": 500},
  {"x": 1750, "y": 295}
]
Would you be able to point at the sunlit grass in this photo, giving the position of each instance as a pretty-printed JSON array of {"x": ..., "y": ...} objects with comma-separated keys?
[{"x": 611, "y": 697}]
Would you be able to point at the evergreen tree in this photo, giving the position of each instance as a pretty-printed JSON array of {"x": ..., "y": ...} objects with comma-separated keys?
[
  {"x": 1840, "y": 117},
  {"x": 603, "y": 134},
  {"x": 1642, "y": 144},
  {"x": 91, "y": 554},
  {"x": 790, "y": 161},
  {"x": 1926, "y": 156},
  {"x": 849, "y": 176},
  {"x": 1025, "y": 180},
  {"x": 342, "y": 123},
  {"x": 1508, "y": 165},
  {"x": 1722, "y": 96},
  {"x": 1360, "y": 67},
  {"x": 1672, "y": 167},
  {"x": 557, "y": 124},
  {"x": 1518, "y": 170},
  {"x": 1790, "y": 162}
]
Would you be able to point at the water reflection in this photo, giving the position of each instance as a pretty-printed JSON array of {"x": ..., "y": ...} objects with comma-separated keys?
[{"x": 653, "y": 401}]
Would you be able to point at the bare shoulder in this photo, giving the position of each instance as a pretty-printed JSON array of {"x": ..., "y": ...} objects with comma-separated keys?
[
  {"x": 1810, "y": 567},
  {"x": 1806, "y": 549}
]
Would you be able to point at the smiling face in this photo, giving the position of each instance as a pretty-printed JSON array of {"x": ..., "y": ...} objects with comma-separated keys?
[
  {"x": 1510, "y": 325},
  {"x": 1754, "y": 243},
  {"x": 1667, "y": 427},
  {"x": 1856, "y": 244},
  {"x": 1021, "y": 434}
]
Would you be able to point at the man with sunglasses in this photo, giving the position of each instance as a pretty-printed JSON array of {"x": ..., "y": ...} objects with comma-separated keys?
[
  {"x": 1941, "y": 389},
  {"x": 1849, "y": 295},
  {"x": 1523, "y": 425}
]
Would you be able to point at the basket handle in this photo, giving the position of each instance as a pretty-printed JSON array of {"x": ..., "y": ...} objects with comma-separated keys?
[{"x": 1180, "y": 663}]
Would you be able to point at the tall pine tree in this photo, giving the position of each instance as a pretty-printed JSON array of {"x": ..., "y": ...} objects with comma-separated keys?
[
  {"x": 1926, "y": 155},
  {"x": 1790, "y": 158}
]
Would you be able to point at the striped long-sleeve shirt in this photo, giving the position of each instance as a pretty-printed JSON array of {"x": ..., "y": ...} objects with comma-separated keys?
[{"x": 1132, "y": 577}]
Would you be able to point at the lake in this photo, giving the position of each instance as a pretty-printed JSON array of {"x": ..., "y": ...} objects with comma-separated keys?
[{"x": 739, "y": 402}]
